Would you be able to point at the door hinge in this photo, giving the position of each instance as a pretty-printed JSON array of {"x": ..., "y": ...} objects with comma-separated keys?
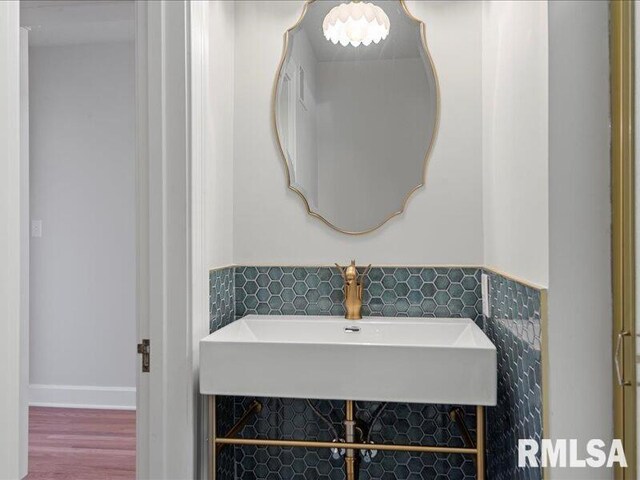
[{"x": 144, "y": 349}]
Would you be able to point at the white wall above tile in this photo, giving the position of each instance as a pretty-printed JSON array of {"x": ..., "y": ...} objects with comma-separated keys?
[
  {"x": 515, "y": 143},
  {"x": 443, "y": 221}
]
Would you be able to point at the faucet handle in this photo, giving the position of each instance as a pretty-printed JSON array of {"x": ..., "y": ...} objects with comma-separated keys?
[
  {"x": 342, "y": 272},
  {"x": 364, "y": 274}
]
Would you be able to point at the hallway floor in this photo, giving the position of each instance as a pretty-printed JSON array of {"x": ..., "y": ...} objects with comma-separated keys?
[{"x": 81, "y": 444}]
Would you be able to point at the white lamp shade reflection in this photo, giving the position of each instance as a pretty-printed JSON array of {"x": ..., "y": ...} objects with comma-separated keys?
[{"x": 356, "y": 23}]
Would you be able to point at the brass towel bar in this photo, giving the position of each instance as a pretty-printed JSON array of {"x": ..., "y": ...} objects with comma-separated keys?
[{"x": 265, "y": 442}]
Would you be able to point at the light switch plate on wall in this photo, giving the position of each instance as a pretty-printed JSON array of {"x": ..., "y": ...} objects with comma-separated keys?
[
  {"x": 486, "y": 306},
  {"x": 36, "y": 228}
]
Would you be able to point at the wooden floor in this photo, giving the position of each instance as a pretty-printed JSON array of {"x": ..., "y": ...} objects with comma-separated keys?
[{"x": 79, "y": 444}]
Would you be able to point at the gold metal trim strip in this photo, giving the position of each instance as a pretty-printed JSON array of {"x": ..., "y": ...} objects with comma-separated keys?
[
  {"x": 332, "y": 265},
  {"x": 277, "y": 132},
  {"x": 515, "y": 278},
  {"x": 622, "y": 40},
  {"x": 544, "y": 353},
  {"x": 217, "y": 269}
]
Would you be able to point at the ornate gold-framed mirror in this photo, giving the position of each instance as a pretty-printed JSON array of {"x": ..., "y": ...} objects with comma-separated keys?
[{"x": 356, "y": 108}]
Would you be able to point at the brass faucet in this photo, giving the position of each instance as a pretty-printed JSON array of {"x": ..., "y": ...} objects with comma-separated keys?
[{"x": 353, "y": 287}]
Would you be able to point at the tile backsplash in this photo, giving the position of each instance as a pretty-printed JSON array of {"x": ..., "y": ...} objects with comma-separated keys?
[
  {"x": 514, "y": 327},
  {"x": 222, "y": 308},
  {"x": 389, "y": 291}
]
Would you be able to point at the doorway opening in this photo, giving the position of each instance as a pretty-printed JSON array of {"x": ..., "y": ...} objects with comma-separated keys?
[{"x": 78, "y": 89}]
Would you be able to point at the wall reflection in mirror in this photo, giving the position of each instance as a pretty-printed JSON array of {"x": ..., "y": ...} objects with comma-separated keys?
[{"x": 356, "y": 110}]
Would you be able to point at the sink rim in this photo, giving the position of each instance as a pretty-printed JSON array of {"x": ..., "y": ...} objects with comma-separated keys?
[{"x": 481, "y": 341}]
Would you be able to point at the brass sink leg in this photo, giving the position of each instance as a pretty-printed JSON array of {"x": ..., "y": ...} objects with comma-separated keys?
[
  {"x": 350, "y": 431},
  {"x": 350, "y": 467},
  {"x": 480, "y": 467},
  {"x": 211, "y": 437}
]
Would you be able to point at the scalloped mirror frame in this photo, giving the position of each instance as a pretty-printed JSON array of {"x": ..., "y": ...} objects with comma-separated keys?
[{"x": 436, "y": 127}]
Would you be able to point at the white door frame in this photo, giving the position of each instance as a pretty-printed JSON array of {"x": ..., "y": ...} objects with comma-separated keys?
[
  {"x": 25, "y": 234},
  {"x": 199, "y": 71},
  {"x": 172, "y": 276},
  {"x": 167, "y": 245},
  {"x": 13, "y": 425},
  {"x": 165, "y": 406}
]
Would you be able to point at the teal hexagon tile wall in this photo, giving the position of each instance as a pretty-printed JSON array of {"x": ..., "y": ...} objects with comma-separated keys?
[
  {"x": 221, "y": 313},
  {"x": 389, "y": 291},
  {"x": 294, "y": 419},
  {"x": 221, "y": 298},
  {"x": 404, "y": 291},
  {"x": 225, "y": 419},
  {"x": 514, "y": 327}
]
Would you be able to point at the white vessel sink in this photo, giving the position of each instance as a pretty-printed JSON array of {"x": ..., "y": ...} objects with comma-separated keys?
[{"x": 421, "y": 360}]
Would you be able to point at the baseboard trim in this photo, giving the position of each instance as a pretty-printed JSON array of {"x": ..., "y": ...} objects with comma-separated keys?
[{"x": 82, "y": 396}]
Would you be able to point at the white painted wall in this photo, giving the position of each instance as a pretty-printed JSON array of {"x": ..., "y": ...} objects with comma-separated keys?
[
  {"x": 83, "y": 326},
  {"x": 75, "y": 22},
  {"x": 544, "y": 209},
  {"x": 13, "y": 438},
  {"x": 219, "y": 157},
  {"x": 580, "y": 370},
  {"x": 443, "y": 222},
  {"x": 515, "y": 138},
  {"x": 494, "y": 95},
  {"x": 494, "y": 182}
]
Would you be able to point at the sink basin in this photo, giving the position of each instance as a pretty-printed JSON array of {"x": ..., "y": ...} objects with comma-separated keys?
[{"x": 418, "y": 360}]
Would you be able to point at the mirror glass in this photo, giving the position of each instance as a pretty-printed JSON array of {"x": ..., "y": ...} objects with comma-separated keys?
[{"x": 356, "y": 123}]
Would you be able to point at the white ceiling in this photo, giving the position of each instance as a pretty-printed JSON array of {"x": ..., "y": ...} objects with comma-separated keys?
[
  {"x": 402, "y": 42},
  {"x": 70, "y": 22}
]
